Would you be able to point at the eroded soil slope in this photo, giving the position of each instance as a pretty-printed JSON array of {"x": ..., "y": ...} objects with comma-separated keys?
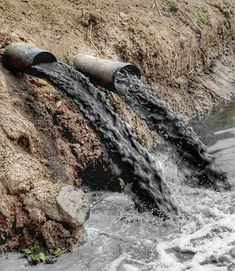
[
  {"x": 172, "y": 42},
  {"x": 47, "y": 148}
]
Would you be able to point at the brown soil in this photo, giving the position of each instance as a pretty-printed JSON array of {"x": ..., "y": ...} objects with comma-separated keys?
[
  {"x": 184, "y": 48},
  {"x": 172, "y": 44}
]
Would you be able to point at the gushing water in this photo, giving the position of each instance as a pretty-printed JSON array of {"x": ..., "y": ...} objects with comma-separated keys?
[
  {"x": 137, "y": 167},
  {"x": 171, "y": 127}
]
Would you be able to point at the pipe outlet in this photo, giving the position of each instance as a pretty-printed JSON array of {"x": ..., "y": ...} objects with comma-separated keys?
[
  {"x": 103, "y": 71},
  {"x": 22, "y": 56}
]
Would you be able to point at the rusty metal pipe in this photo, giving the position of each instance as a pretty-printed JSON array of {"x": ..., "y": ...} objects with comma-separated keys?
[
  {"x": 22, "y": 56},
  {"x": 103, "y": 71}
]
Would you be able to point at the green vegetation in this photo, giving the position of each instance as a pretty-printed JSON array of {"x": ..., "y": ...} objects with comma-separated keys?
[
  {"x": 37, "y": 254},
  {"x": 57, "y": 252}
]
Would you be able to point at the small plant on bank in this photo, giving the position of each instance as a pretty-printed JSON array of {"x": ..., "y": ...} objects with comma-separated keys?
[
  {"x": 57, "y": 252},
  {"x": 37, "y": 254}
]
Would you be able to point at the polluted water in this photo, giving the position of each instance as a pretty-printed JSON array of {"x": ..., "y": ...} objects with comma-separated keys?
[
  {"x": 189, "y": 151},
  {"x": 118, "y": 236},
  {"x": 137, "y": 168}
]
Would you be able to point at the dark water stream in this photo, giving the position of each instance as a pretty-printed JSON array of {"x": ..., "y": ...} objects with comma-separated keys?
[
  {"x": 137, "y": 167},
  {"x": 192, "y": 153}
]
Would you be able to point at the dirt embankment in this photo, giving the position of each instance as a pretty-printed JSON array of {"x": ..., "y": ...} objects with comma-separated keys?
[
  {"x": 173, "y": 43},
  {"x": 46, "y": 147},
  {"x": 36, "y": 201}
]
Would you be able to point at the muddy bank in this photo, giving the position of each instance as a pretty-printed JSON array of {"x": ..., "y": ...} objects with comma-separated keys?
[
  {"x": 42, "y": 152},
  {"x": 46, "y": 143},
  {"x": 33, "y": 204}
]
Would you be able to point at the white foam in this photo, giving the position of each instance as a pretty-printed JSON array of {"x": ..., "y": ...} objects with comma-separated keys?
[{"x": 211, "y": 242}]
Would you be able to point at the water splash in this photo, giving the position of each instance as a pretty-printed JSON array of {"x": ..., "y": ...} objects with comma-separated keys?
[
  {"x": 192, "y": 153},
  {"x": 137, "y": 167}
]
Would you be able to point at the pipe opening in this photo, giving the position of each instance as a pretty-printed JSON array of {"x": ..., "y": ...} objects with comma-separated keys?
[
  {"x": 103, "y": 71},
  {"x": 22, "y": 56},
  {"x": 130, "y": 69},
  {"x": 43, "y": 57}
]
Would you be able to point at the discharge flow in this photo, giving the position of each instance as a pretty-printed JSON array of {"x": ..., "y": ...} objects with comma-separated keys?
[
  {"x": 190, "y": 152},
  {"x": 137, "y": 167}
]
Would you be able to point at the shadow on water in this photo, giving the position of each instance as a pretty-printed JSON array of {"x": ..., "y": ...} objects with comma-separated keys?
[{"x": 217, "y": 131}]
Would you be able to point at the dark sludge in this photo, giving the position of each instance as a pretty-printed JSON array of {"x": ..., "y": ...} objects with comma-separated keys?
[
  {"x": 169, "y": 125},
  {"x": 137, "y": 167}
]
